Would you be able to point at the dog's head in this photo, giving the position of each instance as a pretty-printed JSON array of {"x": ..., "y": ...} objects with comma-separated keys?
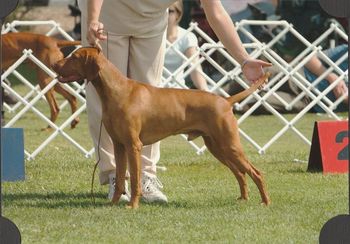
[{"x": 84, "y": 63}]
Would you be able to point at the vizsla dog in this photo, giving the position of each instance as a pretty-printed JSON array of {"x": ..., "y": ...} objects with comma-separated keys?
[
  {"x": 47, "y": 50},
  {"x": 137, "y": 114}
]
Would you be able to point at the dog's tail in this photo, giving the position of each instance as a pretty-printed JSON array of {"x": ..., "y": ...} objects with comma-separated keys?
[
  {"x": 66, "y": 43},
  {"x": 240, "y": 96}
]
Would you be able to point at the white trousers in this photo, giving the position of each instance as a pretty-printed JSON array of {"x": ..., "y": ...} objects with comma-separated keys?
[{"x": 138, "y": 58}]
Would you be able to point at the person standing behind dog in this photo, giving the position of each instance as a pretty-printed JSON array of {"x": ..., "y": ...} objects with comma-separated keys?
[
  {"x": 136, "y": 45},
  {"x": 184, "y": 42}
]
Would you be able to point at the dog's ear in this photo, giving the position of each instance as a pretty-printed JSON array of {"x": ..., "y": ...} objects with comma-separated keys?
[{"x": 92, "y": 68}]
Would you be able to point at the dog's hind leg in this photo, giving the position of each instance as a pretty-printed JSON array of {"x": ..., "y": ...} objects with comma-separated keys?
[
  {"x": 257, "y": 177},
  {"x": 227, "y": 145},
  {"x": 239, "y": 175},
  {"x": 245, "y": 166},
  {"x": 236, "y": 158},
  {"x": 72, "y": 102}
]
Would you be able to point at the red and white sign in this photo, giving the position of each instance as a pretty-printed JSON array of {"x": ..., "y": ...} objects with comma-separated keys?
[{"x": 329, "y": 150}]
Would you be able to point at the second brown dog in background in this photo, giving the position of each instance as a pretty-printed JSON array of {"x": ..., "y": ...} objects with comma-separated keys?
[{"x": 47, "y": 50}]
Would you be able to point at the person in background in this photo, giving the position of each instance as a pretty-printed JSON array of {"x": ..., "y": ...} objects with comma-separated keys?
[
  {"x": 310, "y": 20},
  {"x": 135, "y": 43},
  {"x": 315, "y": 68},
  {"x": 184, "y": 42},
  {"x": 239, "y": 10}
]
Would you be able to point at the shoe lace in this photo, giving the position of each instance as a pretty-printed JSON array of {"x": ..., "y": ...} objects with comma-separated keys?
[
  {"x": 152, "y": 184},
  {"x": 112, "y": 182},
  {"x": 112, "y": 186}
]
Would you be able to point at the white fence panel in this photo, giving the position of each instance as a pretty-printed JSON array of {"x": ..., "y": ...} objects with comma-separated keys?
[{"x": 225, "y": 70}]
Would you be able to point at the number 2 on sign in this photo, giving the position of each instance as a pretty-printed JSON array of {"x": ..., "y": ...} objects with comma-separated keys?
[{"x": 339, "y": 138}]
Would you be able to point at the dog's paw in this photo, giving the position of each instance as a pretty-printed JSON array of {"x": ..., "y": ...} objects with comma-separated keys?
[
  {"x": 74, "y": 123},
  {"x": 242, "y": 199},
  {"x": 115, "y": 198},
  {"x": 132, "y": 206},
  {"x": 265, "y": 203},
  {"x": 48, "y": 129}
]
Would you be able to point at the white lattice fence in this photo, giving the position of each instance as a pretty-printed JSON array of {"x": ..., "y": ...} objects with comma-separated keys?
[
  {"x": 285, "y": 71},
  {"x": 290, "y": 70},
  {"x": 32, "y": 95},
  {"x": 226, "y": 70}
]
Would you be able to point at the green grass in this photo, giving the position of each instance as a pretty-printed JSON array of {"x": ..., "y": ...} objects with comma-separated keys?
[{"x": 53, "y": 204}]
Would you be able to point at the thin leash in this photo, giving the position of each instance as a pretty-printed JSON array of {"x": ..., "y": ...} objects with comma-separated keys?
[
  {"x": 98, "y": 145},
  {"x": 95, "y": 167}
]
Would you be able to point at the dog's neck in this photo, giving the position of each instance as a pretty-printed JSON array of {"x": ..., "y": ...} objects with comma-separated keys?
[{"x": 111, "y": 83}]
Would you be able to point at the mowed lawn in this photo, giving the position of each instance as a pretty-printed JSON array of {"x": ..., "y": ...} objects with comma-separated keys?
[{"x": 53, "y": 204}]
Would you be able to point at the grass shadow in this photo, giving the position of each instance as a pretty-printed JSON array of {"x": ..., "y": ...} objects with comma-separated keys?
[
  {"x": 56, "y": 200},
  {"x": 296, "y": 170},
  {"x": 213, "y": 202}
]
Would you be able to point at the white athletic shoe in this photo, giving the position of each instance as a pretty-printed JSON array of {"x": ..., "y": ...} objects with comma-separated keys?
[
  {"x": 124, "y": 197},
  {"x": 150, "y": 186}
]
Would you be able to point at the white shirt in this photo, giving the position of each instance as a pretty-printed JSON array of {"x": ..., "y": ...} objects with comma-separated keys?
[
  {"x": 235, "y": 6},
  {"x": 172, "y": 59}
]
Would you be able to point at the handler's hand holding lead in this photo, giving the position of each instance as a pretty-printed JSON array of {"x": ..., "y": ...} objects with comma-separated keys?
[{"x": 95, "y": 34}]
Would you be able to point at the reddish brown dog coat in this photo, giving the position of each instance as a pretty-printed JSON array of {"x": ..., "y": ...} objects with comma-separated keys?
[
  {"x": 137, "y": 114},
  {"x": 47, "y": 50}
]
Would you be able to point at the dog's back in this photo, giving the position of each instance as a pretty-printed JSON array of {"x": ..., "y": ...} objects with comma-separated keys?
[{"x": 43, "y": 47}]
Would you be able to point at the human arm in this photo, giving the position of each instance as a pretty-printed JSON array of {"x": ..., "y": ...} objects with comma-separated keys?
[
  {"x": 225, "y": 30},
  {"x": 317, "y": 68},
  {"x": 196, "y": 76},
  {"x": 95, "y": 28}
]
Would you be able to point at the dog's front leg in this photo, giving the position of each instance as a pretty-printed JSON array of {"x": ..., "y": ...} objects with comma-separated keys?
[
  {"x": 134, "y": 156},
  {"x": 121, "y": 164}
]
